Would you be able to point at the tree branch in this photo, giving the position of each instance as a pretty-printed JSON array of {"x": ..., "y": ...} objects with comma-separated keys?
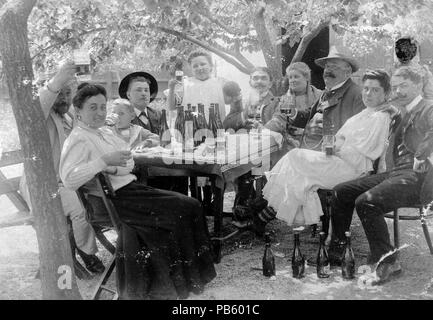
[
  {"x": 59, "y": 44},
  {"x": 265, "y": 40},
  {"x": 226, "y": 56},
  {"x": 307, "y": 39},
  {"x": 218, "y": 23},
  {"x": 239, "y": 56}
]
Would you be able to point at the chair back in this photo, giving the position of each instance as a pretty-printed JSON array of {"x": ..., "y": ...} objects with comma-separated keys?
[{"x": 100, "y": 210}]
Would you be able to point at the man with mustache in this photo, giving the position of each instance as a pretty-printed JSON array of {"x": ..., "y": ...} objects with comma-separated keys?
[
  {"x": 56, "y": 99},
  {"x": 400, "y": 186},
  {"x": 261, "y": 104},
  {"x": 341, "y": 100}
]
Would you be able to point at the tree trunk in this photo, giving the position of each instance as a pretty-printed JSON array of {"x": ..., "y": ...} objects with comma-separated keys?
[
  {"x": 57, "y": 271},
  {"x": 271, "y": 52}
]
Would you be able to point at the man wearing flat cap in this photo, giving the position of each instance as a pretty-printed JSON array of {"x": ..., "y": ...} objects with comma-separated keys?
[{"x": 141, "y": 88}]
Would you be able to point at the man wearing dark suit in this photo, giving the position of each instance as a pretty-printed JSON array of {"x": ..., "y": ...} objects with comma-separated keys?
[
  {"x": 141, "y": 88},
  {"x": 341, "y": 100},
  {"x": 375, "y": 195}
]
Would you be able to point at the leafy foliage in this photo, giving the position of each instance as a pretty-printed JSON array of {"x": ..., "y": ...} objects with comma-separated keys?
[{"x": 146, "y": 33}]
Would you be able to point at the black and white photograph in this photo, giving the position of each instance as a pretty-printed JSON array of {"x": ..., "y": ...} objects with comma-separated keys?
[{"x": 216, "y": 155}]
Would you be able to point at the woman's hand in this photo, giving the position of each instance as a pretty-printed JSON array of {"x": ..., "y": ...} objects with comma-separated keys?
[{"x": 117, "y": 158}]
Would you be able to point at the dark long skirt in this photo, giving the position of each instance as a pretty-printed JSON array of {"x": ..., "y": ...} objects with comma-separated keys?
[{"x": 163, "y": 247}]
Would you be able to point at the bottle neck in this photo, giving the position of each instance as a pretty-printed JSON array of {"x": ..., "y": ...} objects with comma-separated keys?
[{"x": 296, "y": 240}]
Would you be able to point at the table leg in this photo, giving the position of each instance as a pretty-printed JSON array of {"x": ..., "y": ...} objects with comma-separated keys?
[
  {"x": 193, "y": 188},
  {"x": 218, "y": 221}
]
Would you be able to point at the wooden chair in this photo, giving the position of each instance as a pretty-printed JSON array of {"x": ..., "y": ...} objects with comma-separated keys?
[
  {"x": 326, "y": 195},
  {"x": 102, "y": 215},
  {"x": 425, "y": 212}
]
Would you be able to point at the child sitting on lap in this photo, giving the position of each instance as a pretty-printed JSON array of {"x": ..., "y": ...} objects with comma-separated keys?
[{"x": 121, "y": 116}]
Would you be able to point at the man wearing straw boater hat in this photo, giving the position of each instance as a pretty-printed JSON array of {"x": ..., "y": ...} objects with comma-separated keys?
[
  {"x": 141, "y": 88},
  {"x": 340, "y": 100}
]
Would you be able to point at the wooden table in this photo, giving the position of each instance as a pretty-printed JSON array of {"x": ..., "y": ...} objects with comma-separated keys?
[{"x": 239, "y": 155}]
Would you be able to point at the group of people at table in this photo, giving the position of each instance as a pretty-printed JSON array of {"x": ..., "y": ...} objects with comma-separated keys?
[{"x": 163, "y": 248}]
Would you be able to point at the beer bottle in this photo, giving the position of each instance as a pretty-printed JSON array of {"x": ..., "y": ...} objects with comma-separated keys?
[
  {"x": 189, "y": 130},
  {"x": 218, "y": 120},
  {"x": 201, "y": 116},
  {"x": 195, "y": 125},
  {"x": 323, "y": 266},
  {"x": 348, "y": 260},
  {"x": 268, "y": 261},
  {"x": 201, "y": 121},
  {"x": 298, "y": 260},
  {"x": 179, "y": 124},
  {"x": 213, "y": 129},
  {"x": 164, "y": 131}
]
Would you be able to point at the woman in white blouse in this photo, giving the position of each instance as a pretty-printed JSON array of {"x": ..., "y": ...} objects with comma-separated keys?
[
  {"x": 292, "y": 184},
  {"x": 163, "y": 249}
]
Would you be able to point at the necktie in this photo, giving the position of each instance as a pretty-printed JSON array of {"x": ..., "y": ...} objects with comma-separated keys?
[
  {"x": 67, "y": 124},
  {"x": 400, "y": 132}
]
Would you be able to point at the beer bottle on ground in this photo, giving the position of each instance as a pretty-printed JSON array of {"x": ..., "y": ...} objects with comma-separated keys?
[
  {"x": 323, "y": 266},
  {"x": 268, "y": 261},
  {"x": 348, "y": 260},
  {"x": 298, "y": 260}
]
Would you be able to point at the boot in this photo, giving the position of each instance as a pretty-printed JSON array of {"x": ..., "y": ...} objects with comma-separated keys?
[{"x": 92, "y": 262}]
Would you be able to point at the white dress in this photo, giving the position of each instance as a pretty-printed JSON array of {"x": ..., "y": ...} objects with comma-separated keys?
[{"x": 292, "y": 184}]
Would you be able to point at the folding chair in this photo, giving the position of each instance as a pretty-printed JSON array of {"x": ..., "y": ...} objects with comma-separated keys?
[
  {"x": 425, "y": 211},
  {"x": 102, "y": 215}
]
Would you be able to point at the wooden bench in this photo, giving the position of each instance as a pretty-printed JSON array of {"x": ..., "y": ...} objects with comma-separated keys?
[{"x": 10, "y": 188}]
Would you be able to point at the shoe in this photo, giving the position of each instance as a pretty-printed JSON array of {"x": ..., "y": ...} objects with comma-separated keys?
[
  {"x": 258, "y": 204},
  {"x": 92, "y": 262},
  {"x": 242, "y": 213},
  {"x": 255, "y": 225},
  {"x": 385, "y": 271}
]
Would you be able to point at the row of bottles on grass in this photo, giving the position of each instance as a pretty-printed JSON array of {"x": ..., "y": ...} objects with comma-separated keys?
[{"x": 322, "y": 259}]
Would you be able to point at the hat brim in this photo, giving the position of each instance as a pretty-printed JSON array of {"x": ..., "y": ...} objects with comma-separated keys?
[
  {"x": 321, "y": 62},
  {"x": 153, "y": 86}
]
